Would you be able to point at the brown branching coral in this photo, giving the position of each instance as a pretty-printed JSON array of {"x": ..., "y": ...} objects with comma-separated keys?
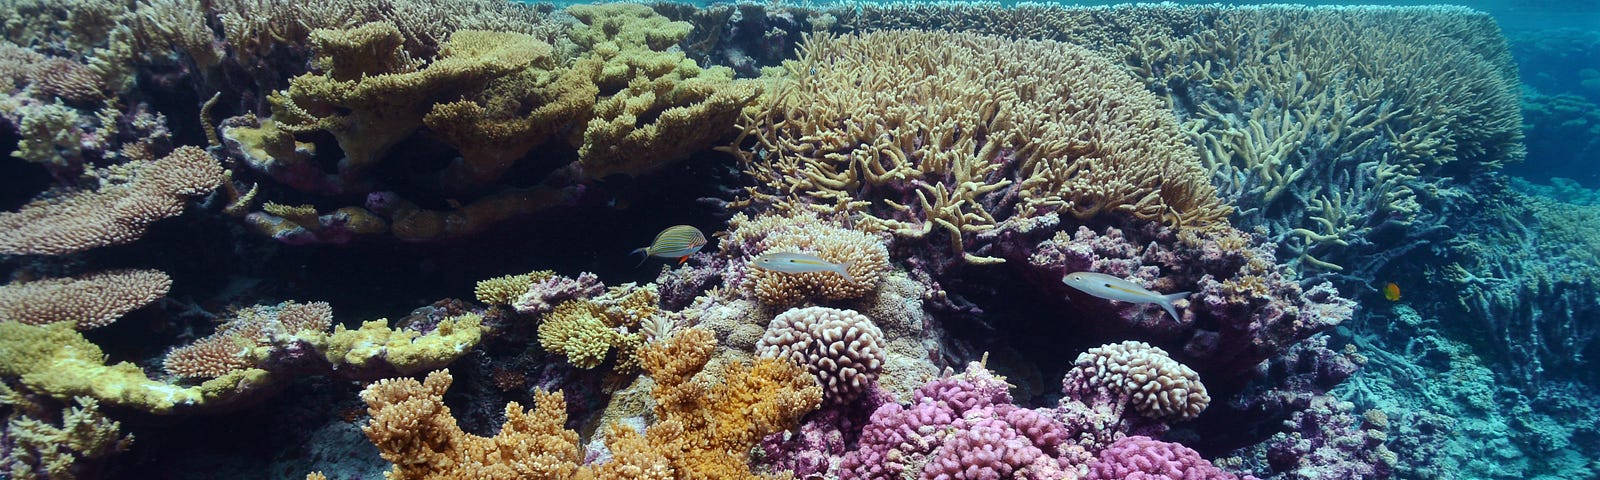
[
  {"x": 113, "y": 214},
  {"x": 955, "y": 132},
  {"x": 89, "y": 301}
]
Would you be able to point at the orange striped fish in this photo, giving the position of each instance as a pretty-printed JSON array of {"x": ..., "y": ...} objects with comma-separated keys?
[{"x": 679, "y": 241}]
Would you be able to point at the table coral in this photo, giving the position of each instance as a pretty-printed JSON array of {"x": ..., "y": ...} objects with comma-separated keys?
[
  {"x": 89, "y": 301},
  {"x": 371, "y": 94},
  {"x": 115, "y": 213}
]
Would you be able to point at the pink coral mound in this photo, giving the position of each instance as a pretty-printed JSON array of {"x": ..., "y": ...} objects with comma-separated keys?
[{"x": 1145, "y": 458}]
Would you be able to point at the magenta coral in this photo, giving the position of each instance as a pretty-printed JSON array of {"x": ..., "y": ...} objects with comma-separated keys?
[
  {"x": 1144, "y": 458},
  {"x": 1245, "y": 309},
  {"x": 962, "y": 427}
]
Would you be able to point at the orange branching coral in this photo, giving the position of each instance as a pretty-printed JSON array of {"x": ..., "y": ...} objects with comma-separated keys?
[
  {"x": 90, "y": 301},
  {"x": 413, "y": 429},
  {"x": 707, "y": 427},
  {"x": 116, "y": 213},
  {"x": 708, "y": 423}
]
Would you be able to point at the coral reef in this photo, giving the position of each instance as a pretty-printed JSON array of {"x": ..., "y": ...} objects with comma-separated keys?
[
  {"x": 839, "y": 347},
  {"x": 89, "y": 301},
  {"x": 179, "y": 169},
  {"x": 117, "y": 212}
]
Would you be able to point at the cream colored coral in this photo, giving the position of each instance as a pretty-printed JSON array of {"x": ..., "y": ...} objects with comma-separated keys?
[
  {"x": 503, "y": 290},
  {"x": 577, "y": 330},
  {"x": 1144, "y": 376},
  {"x": 842, "y": 348},
  {"x": 932, "y": 131},
  {"x": 89, "y": 301},
  {"x": 864, "y": 256}
]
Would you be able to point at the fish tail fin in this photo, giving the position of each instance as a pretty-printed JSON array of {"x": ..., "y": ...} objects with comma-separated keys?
[
  {"x": 637, "y": 251},
  {"x": 844, "y": 271},
  {"x": 1166, "y": 303}
]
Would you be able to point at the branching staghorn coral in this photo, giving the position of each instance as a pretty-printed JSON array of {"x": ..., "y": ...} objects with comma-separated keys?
[
  {"x": 1284, "y": 100},
  {"x": 926, "y": 131}
]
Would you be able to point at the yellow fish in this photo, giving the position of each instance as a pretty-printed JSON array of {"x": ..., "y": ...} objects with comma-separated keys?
[
  {"x": 678, "y": 242},
  {"x": 1113, "y": 288},
  {"x": 1391, "y": 292}
]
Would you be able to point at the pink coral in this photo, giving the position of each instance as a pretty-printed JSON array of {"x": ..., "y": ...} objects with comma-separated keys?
[
  {"x": 1144, "y": 458},
  {"x": 963, "y": 427}
]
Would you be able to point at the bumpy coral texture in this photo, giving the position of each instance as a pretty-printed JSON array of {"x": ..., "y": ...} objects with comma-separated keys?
[
  {"x": 1140, "y": 377},
  {"x": 963, "y": 427},
  {"x": 842, "y": 348},
  {"x": 864, "y": 255},
  {"x": 89, "y": 301},
  {"x": 1144, "y": 458}
]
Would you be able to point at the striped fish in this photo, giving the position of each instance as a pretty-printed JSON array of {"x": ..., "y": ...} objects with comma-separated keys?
[
  {"x": 679, "y": 241},
  {"x": 791, "y": 262}
]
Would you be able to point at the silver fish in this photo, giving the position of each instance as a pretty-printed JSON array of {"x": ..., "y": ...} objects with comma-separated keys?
[
  {"x": 1113, "y": 288},
  {"x": 791, "y": 262}
]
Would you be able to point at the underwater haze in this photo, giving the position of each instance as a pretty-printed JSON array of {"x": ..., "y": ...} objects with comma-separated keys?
[{"x": 494, "y": 240}]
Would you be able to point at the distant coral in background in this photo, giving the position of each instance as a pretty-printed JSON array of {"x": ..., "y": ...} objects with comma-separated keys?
[{"x": 88, "y": 301}]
